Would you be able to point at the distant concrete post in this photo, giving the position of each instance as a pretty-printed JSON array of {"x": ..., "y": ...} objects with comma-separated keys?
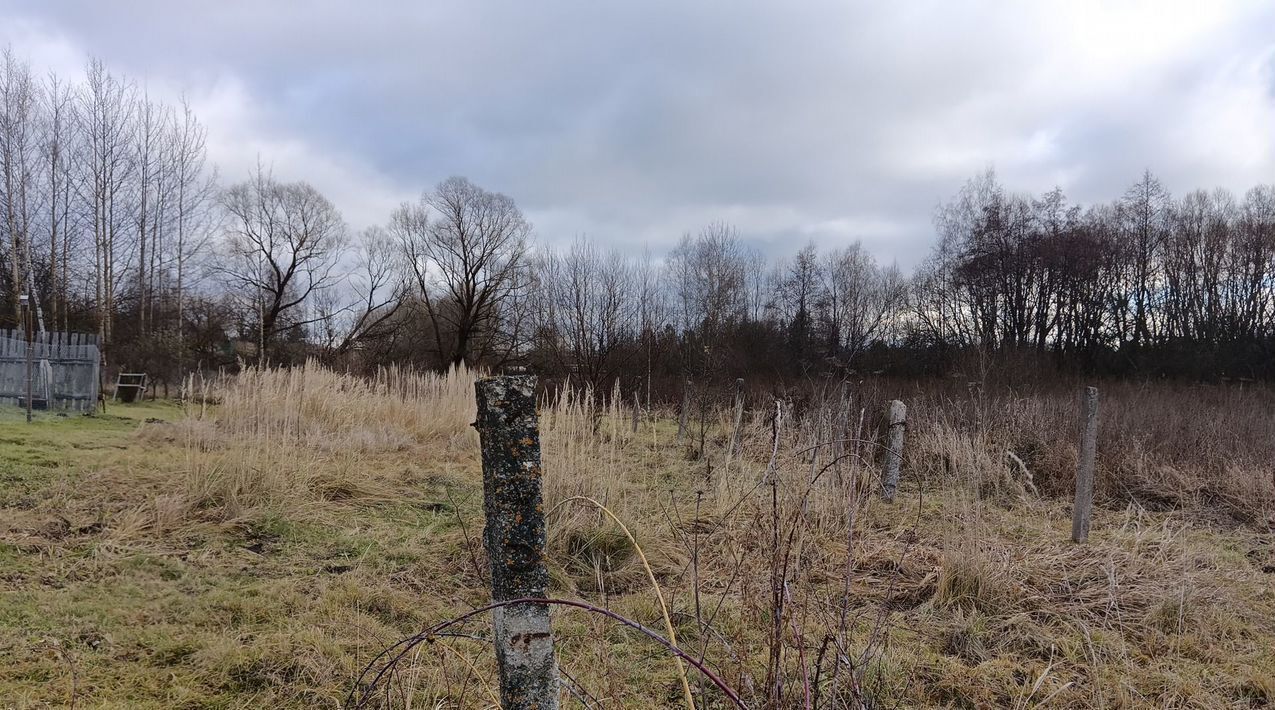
[
  {"x": 686, "y": 409},
  {"x": 739, "y": 418},
  {"x": 637, "y": 411},
  {"x": 840, "y": 427},
  {"x": 1082, "y": 509},
  {"x": 897, "y": 416},
  {"x": 514, "y": 535}
]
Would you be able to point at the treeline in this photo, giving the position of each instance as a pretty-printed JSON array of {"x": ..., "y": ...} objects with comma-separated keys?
[
  {"x": 1145, "y": 284},
  {"x": 114, "y": 222},
  {"x": 454, "y": 278}
]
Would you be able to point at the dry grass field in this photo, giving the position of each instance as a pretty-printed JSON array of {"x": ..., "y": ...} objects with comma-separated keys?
[{"x": 259, "y": 544}]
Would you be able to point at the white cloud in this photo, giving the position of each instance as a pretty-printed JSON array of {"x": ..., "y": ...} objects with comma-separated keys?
[{"x": 46, "y": 49}]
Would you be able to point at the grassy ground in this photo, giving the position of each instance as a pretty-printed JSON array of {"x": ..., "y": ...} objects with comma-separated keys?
[
  {"x": 111, "y": 600},
  {"x": 259, "y": 553}
]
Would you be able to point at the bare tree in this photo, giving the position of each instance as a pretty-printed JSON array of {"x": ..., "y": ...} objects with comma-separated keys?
[
  {"x": 105, "y": 111},
  {"x": 951, "y": 301},
  {"x": 466, "y": 250},
  {"x": 1255, "y": 263},
  {"x": 860, "y": 299},
  {"x": 652, "y": 310},
  {"x": 17, "y": 164},
  {"x": 153, "y": 153},
  {"x": 588, "y": 302},
  {"x": 376, "y": 292},
  {"x": 283, "y": 243},
  {"x": 57, "y": 159},
  {"x": 194, "y": 187},
  {"x": 707, "y": 275},
  {"x": 756, "y": 286},
  {"x": 1145, "y": 211},
  {"x": 797, "y": 285}
]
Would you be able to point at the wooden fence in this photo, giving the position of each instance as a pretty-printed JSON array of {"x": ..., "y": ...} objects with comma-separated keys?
[{"x": 64, "y": 370}]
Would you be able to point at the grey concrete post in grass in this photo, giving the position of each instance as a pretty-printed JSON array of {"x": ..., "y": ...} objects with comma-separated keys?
[
  {"x": 514, "y": 535},
  {"x": 686, "y": 409},
  {"x": 1082, "y": 509},
  {"x": 637, "y": 411},
  {"x": 897, "y": 416},
  {"x": 739, "y": 418}
]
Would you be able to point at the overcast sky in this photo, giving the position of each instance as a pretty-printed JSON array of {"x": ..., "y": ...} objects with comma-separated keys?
[{"x": 636, "y": 122}]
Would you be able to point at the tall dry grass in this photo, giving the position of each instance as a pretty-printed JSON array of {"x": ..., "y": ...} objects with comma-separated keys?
[
  {"x": 287, "y": 438},
  {"x": 777, "y": 562},
  {"x": 1161, "y": 446},
  {"x": 314, "y": 406}
]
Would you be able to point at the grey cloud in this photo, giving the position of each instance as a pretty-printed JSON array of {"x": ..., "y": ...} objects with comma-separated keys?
[{"x": 637, "y": 122}]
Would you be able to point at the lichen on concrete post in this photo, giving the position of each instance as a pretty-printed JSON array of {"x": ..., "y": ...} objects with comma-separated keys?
[
  {"x": 898, "y": 422},
  {"x": 1082, "y": 507},
  {"x": 514, "y": 535}
]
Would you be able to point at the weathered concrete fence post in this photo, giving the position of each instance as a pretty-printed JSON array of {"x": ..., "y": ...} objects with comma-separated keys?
[
  {"x": 1082, "y": 509},
  {"x": 739, "y": 419},
  {"x": 685, "y": 411},
  {"x": 897, "y": 416},
  {"x": 514, "y": 535}
]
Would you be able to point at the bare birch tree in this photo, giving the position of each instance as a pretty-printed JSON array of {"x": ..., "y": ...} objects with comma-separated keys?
[
  {"x": 17, "y": 164},
  {"x": 106, "y": 107}
]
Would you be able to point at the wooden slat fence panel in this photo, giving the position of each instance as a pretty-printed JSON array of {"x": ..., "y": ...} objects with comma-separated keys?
[{"x": 64, "y": 370}]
